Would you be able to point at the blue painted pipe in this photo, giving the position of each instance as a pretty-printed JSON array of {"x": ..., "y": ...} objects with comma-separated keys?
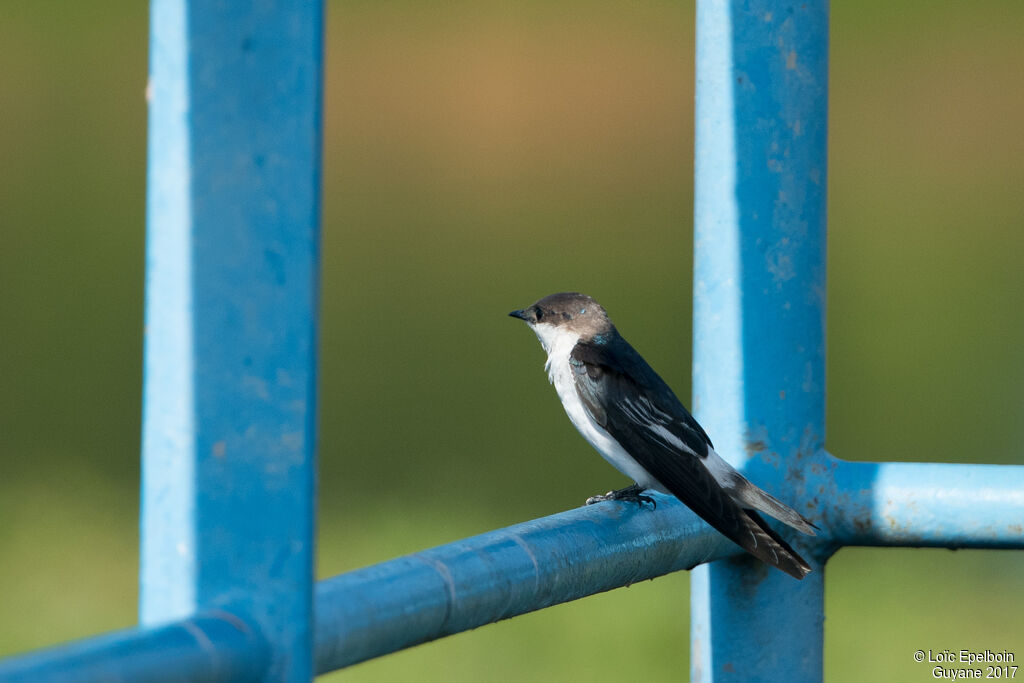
[
  {"x": 212, "y": 647},
  {"x": 759, "y": 313},
  {"x": 925, "y": 504},
  {"x": 409, "y": 600},
  {"x": 232, "y": 277},
  {"x": 500, "y": 574},
  {"x": 387, "y": 607}
]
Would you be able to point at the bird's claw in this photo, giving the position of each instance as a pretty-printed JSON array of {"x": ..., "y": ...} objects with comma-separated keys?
[
  {"x": 640, "y": 500},
  {"x": 601, "y": 498},
  {"x": 630, "y": 493}
]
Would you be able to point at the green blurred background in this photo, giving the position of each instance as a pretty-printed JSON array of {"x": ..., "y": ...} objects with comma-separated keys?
[{"x": 468, "y": 147}]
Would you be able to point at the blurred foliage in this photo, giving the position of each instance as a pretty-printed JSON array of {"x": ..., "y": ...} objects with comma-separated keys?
[{"x": 479, "y": 155}]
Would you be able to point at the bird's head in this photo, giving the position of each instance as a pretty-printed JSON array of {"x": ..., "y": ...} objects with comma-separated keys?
[{"x": 563, "y": 315}]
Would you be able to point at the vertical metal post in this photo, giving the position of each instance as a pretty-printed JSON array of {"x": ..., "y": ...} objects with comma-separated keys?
[
  {"x": 231, "y": 302},
  {"x": 759, "y": 311}
]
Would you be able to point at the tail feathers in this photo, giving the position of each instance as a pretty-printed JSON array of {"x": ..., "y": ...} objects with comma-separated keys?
[
  {"x": 750, "y": 496},
  {"x": 764, "y": 543}
]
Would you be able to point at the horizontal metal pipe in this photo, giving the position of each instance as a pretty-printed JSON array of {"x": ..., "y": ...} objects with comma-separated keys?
[
  {"x": 413, "y": 599},
  {"x": 462, "y": 585},
  {"x": 409, "y": 600},
  {"x": 214, "y": 646},
  {"x": 925, "y": 504}
]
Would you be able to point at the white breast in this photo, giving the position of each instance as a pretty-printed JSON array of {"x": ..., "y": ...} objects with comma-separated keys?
[{"x": 559, "y": 344}]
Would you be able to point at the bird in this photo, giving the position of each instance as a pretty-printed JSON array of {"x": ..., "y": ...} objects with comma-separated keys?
[{"x": 620, "y": 405}]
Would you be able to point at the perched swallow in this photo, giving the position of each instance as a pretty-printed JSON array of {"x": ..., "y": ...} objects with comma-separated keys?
[{"x": 627, "y": 412}]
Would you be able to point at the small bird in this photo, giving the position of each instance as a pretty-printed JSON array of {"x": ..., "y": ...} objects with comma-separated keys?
[{"x": 627, "y": 412}]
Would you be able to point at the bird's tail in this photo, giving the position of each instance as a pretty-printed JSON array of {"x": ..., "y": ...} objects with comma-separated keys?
[
  {"x": 750, "y": 496},
  {"x": 764, "y": 543}
]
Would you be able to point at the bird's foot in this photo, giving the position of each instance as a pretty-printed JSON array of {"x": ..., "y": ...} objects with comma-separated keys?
[{"x": 630, "y": 493}]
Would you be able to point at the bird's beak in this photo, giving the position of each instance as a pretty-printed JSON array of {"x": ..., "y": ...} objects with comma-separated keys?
[{"x": 522, "y": 315}]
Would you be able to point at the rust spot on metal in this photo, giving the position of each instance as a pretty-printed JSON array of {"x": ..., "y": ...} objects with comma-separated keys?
[{"x": 219, "y": 449}]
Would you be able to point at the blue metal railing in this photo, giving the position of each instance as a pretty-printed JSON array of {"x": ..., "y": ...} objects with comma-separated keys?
[
  {"x": 227, "y": 590},
  {"x": 232, "y": 270},
  {"x": 759, "y": 313}
]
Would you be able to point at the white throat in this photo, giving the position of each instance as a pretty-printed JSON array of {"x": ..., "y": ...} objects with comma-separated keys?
[{"x": 558, "y": 342}]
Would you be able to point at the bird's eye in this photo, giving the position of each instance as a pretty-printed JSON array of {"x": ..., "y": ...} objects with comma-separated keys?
[{"x": 540, "y": 314}]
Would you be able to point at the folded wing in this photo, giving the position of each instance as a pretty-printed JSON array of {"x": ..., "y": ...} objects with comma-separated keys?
[{"x": 659, "y": 433}]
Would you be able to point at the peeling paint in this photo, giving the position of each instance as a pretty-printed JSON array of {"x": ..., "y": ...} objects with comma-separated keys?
[{"x": 756, "y": 446}]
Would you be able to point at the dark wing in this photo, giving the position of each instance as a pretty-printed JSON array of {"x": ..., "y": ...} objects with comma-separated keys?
[
  {"x": 628, "y": 399},
  {"x": 632, "y": 376}
]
